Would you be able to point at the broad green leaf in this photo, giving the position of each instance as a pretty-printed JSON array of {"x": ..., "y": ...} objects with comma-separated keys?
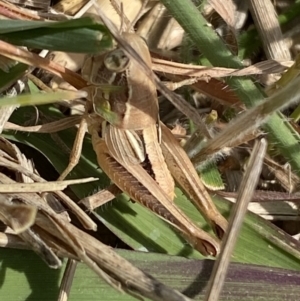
[
  {"x": 24, "y": 276},
  {"x": 259, "y": 243},
  {"x": 61, "y": 36}
]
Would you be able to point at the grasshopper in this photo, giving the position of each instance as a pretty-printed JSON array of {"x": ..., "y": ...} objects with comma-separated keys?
[{"x": 139, "y": 153}]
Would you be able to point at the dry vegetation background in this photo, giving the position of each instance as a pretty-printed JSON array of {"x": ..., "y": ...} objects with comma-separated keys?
[{"x": 232, "y": 65}]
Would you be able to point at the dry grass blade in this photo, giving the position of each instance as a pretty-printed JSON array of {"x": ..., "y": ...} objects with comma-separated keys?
[
  {"x": 268, "y": 26},
  {"x": 41, "y": 248},
  {"x": 33, "y": 59},
  {"x": 271, "y": 205},
  {"x": 204, "y": 72},
  {"x": 42, "y": 187},
  {"x": 227, "y": 11},
  {"x": 35, "y": 4},
  {"x": 250, "y": 120},
  {"x": 286, "y": 77},
  {"x": 76, "y": 246},
  {"x": 51, "y": 127},
  {"x": 86, "y": 221},
  {"x": 246, "y": 190},
  {"x": 100, "y": 198},
  {"x": 67, "y": 280},
  {"x": 12, "y": 11},
  {"x": 264, "y": 67},
  {"x": 20, "y": 217},
  {"x": 29, "y": 236},
  {"x": 287, "y": 179},
  {"x": 128, "y": 277},
  {"x": 81, "y": 243},
  {"x": 70, "y": 7},
  {"x": 53, "y": 235},
  {"x": 168, "y": 36}
]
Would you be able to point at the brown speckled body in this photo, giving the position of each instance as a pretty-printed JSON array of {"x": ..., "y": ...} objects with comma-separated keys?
[{"x": 135, "y": 100}]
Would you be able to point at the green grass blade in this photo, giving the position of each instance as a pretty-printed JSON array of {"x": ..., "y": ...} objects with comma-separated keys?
[
  {"x": 19, "y": 26},
  {"x": 40, "y": 98},
  {"x": 61, "y": 36}
]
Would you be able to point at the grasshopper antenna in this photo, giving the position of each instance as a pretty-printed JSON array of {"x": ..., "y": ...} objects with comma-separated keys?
[
  {"x": 143, "y": 7},
  {"x": 119, "y": 8}
]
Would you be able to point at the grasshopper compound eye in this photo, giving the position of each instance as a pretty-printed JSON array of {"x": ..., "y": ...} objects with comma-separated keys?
[{"x": 116, "y": 60}]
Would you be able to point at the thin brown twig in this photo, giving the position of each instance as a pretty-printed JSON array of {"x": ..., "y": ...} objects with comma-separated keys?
[{"x": 246, "y": 190}]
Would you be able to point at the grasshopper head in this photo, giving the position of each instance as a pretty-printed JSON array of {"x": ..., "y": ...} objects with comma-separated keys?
[{"x": 116, "y": 61}]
